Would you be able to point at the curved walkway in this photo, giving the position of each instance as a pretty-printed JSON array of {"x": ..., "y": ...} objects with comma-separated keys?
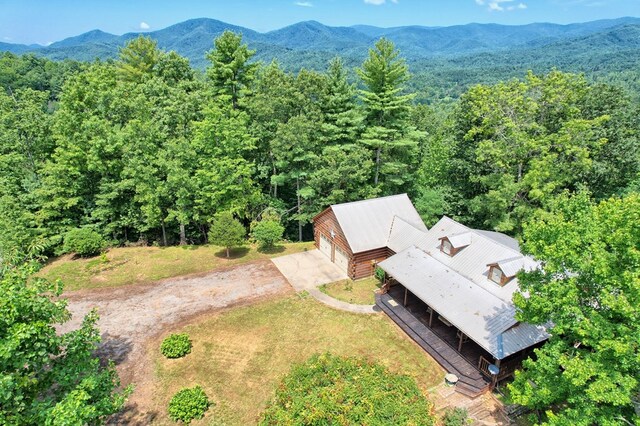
[{"x": 307, "y": 270}]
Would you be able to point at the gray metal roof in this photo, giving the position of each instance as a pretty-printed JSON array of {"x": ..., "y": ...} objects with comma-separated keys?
[
  {"x": 510, "y": 267},
  {"x": 501, "y": 238},
  {"x": 403, "y": 235},
  {"x": 460, "y": 240},
  {"x": 471, "y": 261},
  {"x": 484, "y": 317},
  {"x": 367, "y": 224},
  {"x": 458, "y": 286}
]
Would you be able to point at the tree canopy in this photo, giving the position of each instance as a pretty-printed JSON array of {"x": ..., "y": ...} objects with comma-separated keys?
[
  {"x": 588, "y": 290},
  {"x": 46, "y": 377}
]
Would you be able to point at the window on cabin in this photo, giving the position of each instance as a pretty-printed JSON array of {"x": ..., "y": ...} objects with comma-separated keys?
[
  {"x": 495, "y": 274},
  {"x": 446, "y": 247}
]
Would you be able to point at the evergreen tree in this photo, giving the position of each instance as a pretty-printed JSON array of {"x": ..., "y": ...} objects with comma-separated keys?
[
  {"x": 226, "y": 231},
  {"x": 389, "y": 135},
  {"x": 230, "y": 71}
]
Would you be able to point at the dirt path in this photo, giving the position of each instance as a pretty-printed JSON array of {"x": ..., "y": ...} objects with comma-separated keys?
[{"x": 131, "y": 316}]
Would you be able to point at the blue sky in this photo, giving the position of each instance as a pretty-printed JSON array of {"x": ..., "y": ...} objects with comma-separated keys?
[{"x": 45, "y": 21}]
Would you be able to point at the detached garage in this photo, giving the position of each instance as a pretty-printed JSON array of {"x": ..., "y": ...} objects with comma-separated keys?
[{"x": 356, "y": 236}]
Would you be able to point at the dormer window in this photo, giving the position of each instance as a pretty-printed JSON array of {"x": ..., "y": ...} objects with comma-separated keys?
[
  {"x": 452, "y": 244},
  {"x": 496, "y": 275},
  {"x": 446, "y": 247},
  {"x": 504, "y": 271}
]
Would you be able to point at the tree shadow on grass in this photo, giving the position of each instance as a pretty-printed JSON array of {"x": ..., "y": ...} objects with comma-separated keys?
[
  {"x": 234, "y": 253},
  {"x": 272, "y": 249}
]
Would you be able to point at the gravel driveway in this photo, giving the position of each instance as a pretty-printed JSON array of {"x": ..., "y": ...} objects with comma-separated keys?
[{"x": 130, "y": 315}]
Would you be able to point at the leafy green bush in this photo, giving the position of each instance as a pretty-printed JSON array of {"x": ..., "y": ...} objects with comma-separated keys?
[
  {"x": 267, "y": 232},
  {"x": 226, "y": 231},
  {"x": 328, "y": 389},
  {"x": 188, "y": 404},
  {"x": 380, "y": 274},
  {"x": 83, "y": 241},
  {"x": 455, "y": 417},
  {"x": 176, "y": 345}
]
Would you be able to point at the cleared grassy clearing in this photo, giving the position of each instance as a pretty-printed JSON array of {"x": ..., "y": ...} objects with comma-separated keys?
[
  {"x": 139, "y": 265},
  {"x": 239, "y": 356},
  {"x": 359, "y": 292}
]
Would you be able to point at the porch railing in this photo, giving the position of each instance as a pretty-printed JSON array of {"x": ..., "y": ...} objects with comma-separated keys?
[{"x": 506, "y": 369}]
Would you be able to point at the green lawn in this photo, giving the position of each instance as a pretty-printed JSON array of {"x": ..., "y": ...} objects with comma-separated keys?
[
  {"x": 359, "y": 292},
  {"x": 133, "y": 265},
  {"x": 240, "y": 356}
]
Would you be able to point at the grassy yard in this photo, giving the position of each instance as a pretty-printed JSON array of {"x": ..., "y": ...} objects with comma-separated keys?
[
  {"x": 130, "y": 265},
  {"x": 359, "y": 292},
  {"x": 240, "y": 356}
]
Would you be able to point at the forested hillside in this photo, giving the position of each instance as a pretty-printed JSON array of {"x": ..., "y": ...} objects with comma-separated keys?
[
  {"x": 446, "y": 60},
  {"x": 144, "y": 149}
]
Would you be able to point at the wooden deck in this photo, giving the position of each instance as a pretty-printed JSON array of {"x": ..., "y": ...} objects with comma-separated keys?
[{"x": 471, "y": 381}]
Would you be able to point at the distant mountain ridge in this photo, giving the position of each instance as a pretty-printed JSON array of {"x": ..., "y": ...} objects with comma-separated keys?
[{"x": 193, "y": 38}]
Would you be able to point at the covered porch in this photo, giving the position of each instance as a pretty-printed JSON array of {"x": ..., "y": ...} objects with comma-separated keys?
[{"x": 472, "y": 353}]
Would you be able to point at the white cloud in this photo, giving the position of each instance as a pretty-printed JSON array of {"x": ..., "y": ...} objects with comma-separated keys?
[
  {"x": 304, "y": 4},
  {"x": 379, "y": 2},
  {"x": 144, "y": 26},
  {"x": 7, "y": 38},
  {"x": 499, "y": 5}
]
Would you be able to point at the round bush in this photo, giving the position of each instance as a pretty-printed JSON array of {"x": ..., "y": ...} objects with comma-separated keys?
[
  {"x": 176, "y": 345},
  {"x": 83, "y": 242},
  {"x": 188, "y": 404}
]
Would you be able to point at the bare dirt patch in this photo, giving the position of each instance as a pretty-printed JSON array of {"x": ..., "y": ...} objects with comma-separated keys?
[{"x": 131, "y": 316}]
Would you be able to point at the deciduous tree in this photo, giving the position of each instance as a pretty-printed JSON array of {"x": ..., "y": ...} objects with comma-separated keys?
[{"x": 588, "y": 290}]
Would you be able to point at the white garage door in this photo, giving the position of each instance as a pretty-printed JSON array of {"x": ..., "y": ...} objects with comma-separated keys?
[
  {"x": 341, "y": 259},
  {"x": 325, "y": 246}
]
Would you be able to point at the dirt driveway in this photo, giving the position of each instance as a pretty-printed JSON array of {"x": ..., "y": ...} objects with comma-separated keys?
[{"x": 131, "y": 315}]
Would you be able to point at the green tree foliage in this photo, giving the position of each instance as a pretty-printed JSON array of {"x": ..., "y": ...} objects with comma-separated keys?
[
  {"x": 35, "y": 359},
  {"x": 519, "y": 143},
  {"x": 267, "y": 232},
  {"x": 328, "y": 389},
  {"x": 138, "y": 58},
  {"x": 589, "y": 290},
  {"x": 25, "y": 145},
  {"x": 230, "y": 72},
  {"x": 83, "y": 242},
  {"x": 227, "y": 231},
  {"x": 388, "y": 134}
]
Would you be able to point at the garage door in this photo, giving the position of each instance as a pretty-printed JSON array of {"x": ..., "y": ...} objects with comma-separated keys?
[
  {"x": 325, "y": 246},
  {"x": 341, "y": 259}
]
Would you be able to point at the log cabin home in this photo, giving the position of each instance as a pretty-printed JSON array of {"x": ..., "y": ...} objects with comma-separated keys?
[
  {"x": 451, "y": 288},
  {"x": 358, "y": 235}
]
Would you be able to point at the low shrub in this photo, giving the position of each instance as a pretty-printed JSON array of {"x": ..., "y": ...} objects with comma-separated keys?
[
  {"x": 176, "y": 345},
  {"x": 188, "y": 404},
  {"x": 380, "y": 274},
  {"x": 84, "y": 242},
  {"x": 329, "y": 389},
  {"x": 455, "y": 417}
]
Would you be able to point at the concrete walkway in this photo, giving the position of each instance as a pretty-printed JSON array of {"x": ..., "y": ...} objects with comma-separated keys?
[{"x": 307, "y": 270}]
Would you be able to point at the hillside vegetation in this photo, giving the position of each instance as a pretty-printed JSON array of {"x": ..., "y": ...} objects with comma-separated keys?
[{"x": 447, "y": 60}]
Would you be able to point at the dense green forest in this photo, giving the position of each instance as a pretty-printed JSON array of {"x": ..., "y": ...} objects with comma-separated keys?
[{"x": 145, "y": 149}]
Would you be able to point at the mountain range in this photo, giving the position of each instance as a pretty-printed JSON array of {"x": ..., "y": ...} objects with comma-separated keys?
[{"x": 301, "y": 42}]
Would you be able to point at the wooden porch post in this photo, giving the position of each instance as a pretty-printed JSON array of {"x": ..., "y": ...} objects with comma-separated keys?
[
  {"x": 405, "y": 296},
  {"x": 461, "y": 340},
  {"x": 430, "y": 316}
]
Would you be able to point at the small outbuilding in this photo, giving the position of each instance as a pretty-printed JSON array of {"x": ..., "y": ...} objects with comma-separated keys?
[{"x": 358, "y": 235}]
